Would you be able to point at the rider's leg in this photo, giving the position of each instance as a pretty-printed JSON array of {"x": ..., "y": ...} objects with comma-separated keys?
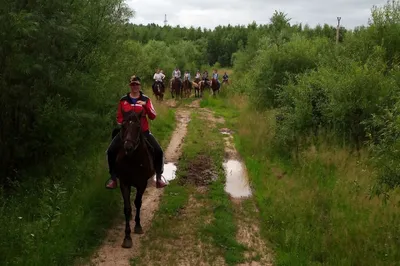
[
  {"x": 112, "y": 152},
  {"x": 158, "y": 159}
]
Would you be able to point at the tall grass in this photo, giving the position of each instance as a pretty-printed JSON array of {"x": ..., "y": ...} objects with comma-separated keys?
[{"x": 315, "y": 207}]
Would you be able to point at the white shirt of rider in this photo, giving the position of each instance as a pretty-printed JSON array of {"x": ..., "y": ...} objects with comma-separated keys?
[
  {"x": 177, "y": 74},
  {"x": 158, "y": 76}
]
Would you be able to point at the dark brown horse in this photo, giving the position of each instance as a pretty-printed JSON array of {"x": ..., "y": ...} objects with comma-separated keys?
[
  {"x": 134, "y": 167},
  {"x": 202, "y": 86},
  {"x": 159, "y": 91},
  {"x": 176, "y": 87},
  {"x": 187, "y": 87},
  {"x": 215, "y": 86}
]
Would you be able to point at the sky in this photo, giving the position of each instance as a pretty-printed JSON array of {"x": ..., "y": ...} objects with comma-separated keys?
[{"x": 209, "y": 14}]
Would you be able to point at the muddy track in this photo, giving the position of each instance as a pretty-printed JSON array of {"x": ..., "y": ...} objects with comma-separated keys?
[
  {"x": 111, "y": 252},
  {"x": 237, "y": 186}
]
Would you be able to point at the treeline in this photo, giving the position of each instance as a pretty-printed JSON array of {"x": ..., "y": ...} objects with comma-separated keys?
[
  {"x": 218, "y": 45},
  {"x": 346, "y": 93}
]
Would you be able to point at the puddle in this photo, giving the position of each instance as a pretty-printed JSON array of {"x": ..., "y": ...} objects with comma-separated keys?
[
  {"x": 169, "y": 172},
  {"x": 236, "y": 180}
]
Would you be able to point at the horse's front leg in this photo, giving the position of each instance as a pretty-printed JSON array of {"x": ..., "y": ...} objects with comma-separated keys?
[
  {"x": 126, "y": 195},
  {"x": 138, "y": 204}
]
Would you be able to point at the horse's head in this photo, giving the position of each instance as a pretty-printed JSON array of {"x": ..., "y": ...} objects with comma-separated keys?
[{"x": 131, "y": 132}]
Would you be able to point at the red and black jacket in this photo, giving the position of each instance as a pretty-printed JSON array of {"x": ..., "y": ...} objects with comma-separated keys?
[{"x": 128, "y": 104}]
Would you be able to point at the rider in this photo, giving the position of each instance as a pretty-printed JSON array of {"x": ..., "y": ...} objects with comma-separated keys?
[
  {"x": 187, "y": 75},
  {"x": 158, "y": 77},
  {"x": 197, "y": 77},
  {"x": 225, "y": 78},
  {"x": 177, "y": 74},
  {"x": 205, "y": 76},
  {"x": 135, "y": 101},
  {"x": 215, "y": 76}
]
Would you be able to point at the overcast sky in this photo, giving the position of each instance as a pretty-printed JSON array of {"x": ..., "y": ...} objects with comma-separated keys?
[{"x": 208, "y": 14}]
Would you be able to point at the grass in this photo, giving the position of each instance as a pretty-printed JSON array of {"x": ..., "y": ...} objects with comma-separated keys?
[
  {"x": 56, "y": 219},
  {"x": 315, "y": 209},
  {"x": 189, "y": 219},
  {"x": 223, "y": 229}
]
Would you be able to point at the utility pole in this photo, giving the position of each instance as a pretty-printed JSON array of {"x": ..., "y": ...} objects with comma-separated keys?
[
  {"x": 338, "y": 30},
  {"x": 165, "y": 20}
]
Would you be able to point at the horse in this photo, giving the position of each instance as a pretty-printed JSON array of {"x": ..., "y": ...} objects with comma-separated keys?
[
  {"x": 196, "y": 87},
  {"x": 176, "y": 87},
  {"x": 215, "y": 86},
  {"x": 159, "y": 91},
  {"x": 187, "y": 87},
  {"x": 134, "y": 167},
  {"x": 203, "y": 84}
]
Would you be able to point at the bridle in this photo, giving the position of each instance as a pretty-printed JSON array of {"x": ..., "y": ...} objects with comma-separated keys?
[{"x": 135, "y": 142}]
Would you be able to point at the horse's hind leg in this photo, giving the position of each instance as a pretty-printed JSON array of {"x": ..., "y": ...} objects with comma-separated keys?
[
  {"x": 126, "y": 195},
  {"x": 138, "y": 204}
]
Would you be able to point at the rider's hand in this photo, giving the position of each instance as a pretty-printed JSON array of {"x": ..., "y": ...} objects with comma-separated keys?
[{"x": 142, "y": 103}]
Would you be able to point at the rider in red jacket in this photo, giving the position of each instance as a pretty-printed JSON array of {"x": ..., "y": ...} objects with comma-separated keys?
[{"x": 135, "y": 101}]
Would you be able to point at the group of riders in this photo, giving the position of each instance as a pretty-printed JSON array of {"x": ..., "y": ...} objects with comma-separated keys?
[
  {"x": 159, "y": 77},
  {"x": 137, "y": 102}
]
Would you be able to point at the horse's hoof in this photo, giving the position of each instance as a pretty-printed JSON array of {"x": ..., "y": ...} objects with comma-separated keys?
[
  {"x": 127, "y": 243},
  {"x": 138, "y": 230}
]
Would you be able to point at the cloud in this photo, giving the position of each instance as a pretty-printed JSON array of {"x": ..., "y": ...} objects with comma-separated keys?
[{"x": 209, "y": 14}]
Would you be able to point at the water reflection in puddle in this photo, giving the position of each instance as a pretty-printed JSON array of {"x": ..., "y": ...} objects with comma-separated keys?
[
  {"x": 236, "y": 181},
  {"x": 169, "y": 171}
]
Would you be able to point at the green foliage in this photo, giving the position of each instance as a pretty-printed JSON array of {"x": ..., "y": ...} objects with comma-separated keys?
[
  {"x": 384, "y": 132},
  {"x": 274, "y": 65},
  {"x": 214, "y": 45},
  {"x": 385, "y": 28},
  {"x": 57, "y": 67},
  {"x": 342, "y": 91}
]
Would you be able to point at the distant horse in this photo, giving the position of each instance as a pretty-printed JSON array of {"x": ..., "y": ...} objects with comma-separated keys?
[
  {"x": 134, "y": 166},
  {"x": 225, "y": 82},
  {"x": 196, "y": 87},
  {"x": 176, "y": 87},
  {"x": 187, "y": 87},
  {"x": 159, "y": 91},
  {"x": 200, "y": 88},
  {"x": 215, "y": 86},
  {"x": 204, "y": 84}
]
